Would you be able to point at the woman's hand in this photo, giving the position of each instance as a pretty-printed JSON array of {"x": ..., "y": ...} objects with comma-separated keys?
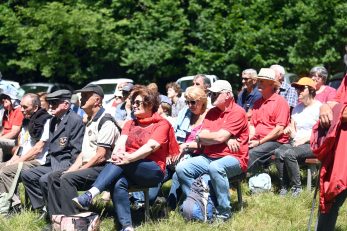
[
  {"x": 122, "y": 158},
  {"x": 287, "y": 130},
  {"x": 325, "y": 115},
  {"x": 253, "y": 143}
]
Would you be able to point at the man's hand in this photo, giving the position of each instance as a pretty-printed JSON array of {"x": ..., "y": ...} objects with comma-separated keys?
[
  {"x": 325, "y": 115},
  {"x": 233, "y": 144}
]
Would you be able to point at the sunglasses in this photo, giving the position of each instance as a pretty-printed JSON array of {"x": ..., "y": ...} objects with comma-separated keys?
[
  {"x": 191, "y": 102},
  {"x": 301, "y": 88},
  {"x": 214, "y": 94},
  {"x": 54, "y": 102},
  {"x": 137, "y": 103},
  {"x": 118, "y": 97}
]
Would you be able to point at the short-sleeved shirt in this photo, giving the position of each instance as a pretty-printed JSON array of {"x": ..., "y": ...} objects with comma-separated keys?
[
  {"x": 247, "y": 101},
  {"x": 138, "y": 136},
  {"x": 328, "y": 94},
  {"x": 342, "y": 91},
  {"x": 269, "y": 113},
  {"x": 14, "y": 118},
  {"x": 289, "y": 93},
  {"x": 27, "y": 142},
  {"x": 305, "y": 117},
  {"x": 94, "y": 138},
  {"x": 233, "y": 120}
]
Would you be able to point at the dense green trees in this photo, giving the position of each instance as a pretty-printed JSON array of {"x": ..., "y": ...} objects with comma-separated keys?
[{"x": 161, "y": 40}]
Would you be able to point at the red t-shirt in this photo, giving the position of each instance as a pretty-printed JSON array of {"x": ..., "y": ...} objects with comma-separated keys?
[
  {"x": 266, "y": 114},
  {"x": 342, "y": 91},
  {"x": 328, "y": 94},
  {"x": 138, "y": 136},
  {"x": 14, "y": 118},
  {"x": 233, "y": 120}
]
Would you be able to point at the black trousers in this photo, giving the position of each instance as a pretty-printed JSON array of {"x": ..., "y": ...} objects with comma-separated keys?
[{"x": 62, "y": 188}]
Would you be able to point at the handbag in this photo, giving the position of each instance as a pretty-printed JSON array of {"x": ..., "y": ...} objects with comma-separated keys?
[
  {"x": 87, "y": 221},
  {"x": 6, "y": 198}
]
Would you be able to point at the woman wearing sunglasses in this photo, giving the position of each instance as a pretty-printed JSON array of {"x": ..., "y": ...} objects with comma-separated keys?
[
  {"x": 139, "y": 157},
  {"x": 188, "y": 124},
  {"x": 304, "y": 116}
]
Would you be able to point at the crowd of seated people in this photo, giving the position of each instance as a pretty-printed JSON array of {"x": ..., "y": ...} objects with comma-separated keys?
[{"x": 212, "y": 133}]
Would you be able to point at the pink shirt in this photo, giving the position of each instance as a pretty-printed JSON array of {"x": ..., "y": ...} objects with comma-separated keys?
[
  {"x": 328, "y": 94},
  {"x": 267, "y": 114}
]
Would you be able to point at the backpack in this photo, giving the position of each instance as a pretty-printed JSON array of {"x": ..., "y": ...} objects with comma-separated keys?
[
  {"x": 87, "y": 221},
  {"x": 198, "y": 206},
  {"x": 107, "y": 117},
  {"x": 260, "y": 183},
  {"x": 6, "y": 198}
]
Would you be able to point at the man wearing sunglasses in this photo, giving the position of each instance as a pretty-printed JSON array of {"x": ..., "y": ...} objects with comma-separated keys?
[
  {"x": 225, "y": 121},
  {"x": 66, "y": 132}
]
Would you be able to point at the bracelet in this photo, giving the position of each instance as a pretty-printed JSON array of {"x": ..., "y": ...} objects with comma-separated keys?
[
  {"x": 186, "y": 148},
  {"x": 197, "y": 139}
]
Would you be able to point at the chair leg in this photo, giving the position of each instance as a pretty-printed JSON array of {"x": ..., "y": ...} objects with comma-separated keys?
[
  {"x": 309, "y": 178},
  {"x": 147, "y": 216}
]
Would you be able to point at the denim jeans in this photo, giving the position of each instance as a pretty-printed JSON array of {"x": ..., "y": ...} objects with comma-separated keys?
[
  {"x": 261, "y": 155},
  {"x": 287, "y": 156},
  {"x": 327, "y": 222},
  {"x": 118, "y": 178},
  {"x": 219, "y": 170}
]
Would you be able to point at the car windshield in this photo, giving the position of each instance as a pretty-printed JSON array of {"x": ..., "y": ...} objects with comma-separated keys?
[
  {"x": 185, "y": 83},
  {"x": 34, "y": 89},
  {"x": 108, "y": 88}
]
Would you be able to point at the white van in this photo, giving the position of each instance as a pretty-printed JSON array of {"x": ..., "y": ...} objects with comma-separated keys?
[
  {"x": 109, "y": 86},
  {"x": 187, "y": 81}
]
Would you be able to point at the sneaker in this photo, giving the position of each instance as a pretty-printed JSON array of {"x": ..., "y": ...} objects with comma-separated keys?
[
  {"x": 223, "y": 217},
  {"x": 83, "y": 201},
  {"x": 283, "y": 192},
  {"x": 129, "y": 228},
  {"x": 296, "y": 191}
]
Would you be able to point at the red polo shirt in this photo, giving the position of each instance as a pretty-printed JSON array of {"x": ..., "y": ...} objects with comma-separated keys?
[
  {"x": 266, "y": 114},
  {"x": 233, "y": 120},
  {"x": 14, "y": 118}
]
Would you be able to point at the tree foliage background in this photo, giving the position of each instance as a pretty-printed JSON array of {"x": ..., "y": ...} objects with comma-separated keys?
[{"x": 77, "y": 41}]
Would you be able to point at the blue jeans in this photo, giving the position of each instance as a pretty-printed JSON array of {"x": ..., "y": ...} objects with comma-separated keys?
[
  {"x": 327, "y": 222},
  {"x": 219, "y": 170},
  {"x": 118, "y": 178}
]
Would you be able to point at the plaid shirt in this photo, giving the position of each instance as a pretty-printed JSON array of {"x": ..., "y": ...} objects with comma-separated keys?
[{"x": 289, "y": 93}]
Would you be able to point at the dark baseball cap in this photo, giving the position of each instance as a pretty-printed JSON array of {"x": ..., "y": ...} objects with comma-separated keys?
[
  {"x": 59, "y": 95},
  {"x": 92, "y": 88}
]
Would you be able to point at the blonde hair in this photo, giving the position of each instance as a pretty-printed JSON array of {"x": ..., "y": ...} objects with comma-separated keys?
[{"x": 196, "y": 93}]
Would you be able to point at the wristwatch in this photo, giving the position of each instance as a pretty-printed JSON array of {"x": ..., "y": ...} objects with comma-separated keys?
[{"x": 197, "y": 138}]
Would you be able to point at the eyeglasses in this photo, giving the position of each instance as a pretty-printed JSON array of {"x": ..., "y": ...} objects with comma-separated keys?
[
  {"x": 137, "y": 103},
  {"x": 118, "y": 97},
  {"x": 191, "y": 102}
]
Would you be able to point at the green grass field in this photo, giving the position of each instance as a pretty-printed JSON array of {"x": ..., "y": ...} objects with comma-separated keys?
[{"x": 266, "y": 211}]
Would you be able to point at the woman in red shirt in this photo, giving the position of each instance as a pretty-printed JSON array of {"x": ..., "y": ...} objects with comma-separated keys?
[{"x": 139, "y": 156}]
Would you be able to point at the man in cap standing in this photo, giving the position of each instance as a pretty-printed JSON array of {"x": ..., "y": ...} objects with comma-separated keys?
[
  {"x": 270, "y": 115},
  {"x": 99, "y": 138},
  {"x": 66, "y": 132},
  {"x": 225, "y": 121}
]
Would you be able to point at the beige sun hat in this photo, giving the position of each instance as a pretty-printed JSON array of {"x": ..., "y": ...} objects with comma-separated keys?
[{"x": 268, "y": 74}]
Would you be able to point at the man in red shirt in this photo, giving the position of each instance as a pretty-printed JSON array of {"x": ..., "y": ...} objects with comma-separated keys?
[
  {"x": 270, "y": 115},
  {"x": 226, "y": 121},
  {"x": 11, "y": 122}
]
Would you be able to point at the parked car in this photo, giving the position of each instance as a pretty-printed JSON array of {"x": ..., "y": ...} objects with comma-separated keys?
[
  {"x": 187, "y": 81},
  {"x": 109, "y": 86},
  {"x": 45, "y": 87},
  {"x": 336, "y": 79},
  {"x": 14, "y": 83}
]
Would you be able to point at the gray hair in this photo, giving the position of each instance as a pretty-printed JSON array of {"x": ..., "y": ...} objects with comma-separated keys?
[
  {"x": 35, "y": 99},
  {"x": 206, "y": 80},
  {"x": 320, "y": 71},
  {"x": 251, "y": 72},
  {"x": 279, "y": 68}
]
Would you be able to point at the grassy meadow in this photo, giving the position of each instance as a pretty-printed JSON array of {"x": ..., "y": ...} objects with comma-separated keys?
[{"x": 261, "y": 212}]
